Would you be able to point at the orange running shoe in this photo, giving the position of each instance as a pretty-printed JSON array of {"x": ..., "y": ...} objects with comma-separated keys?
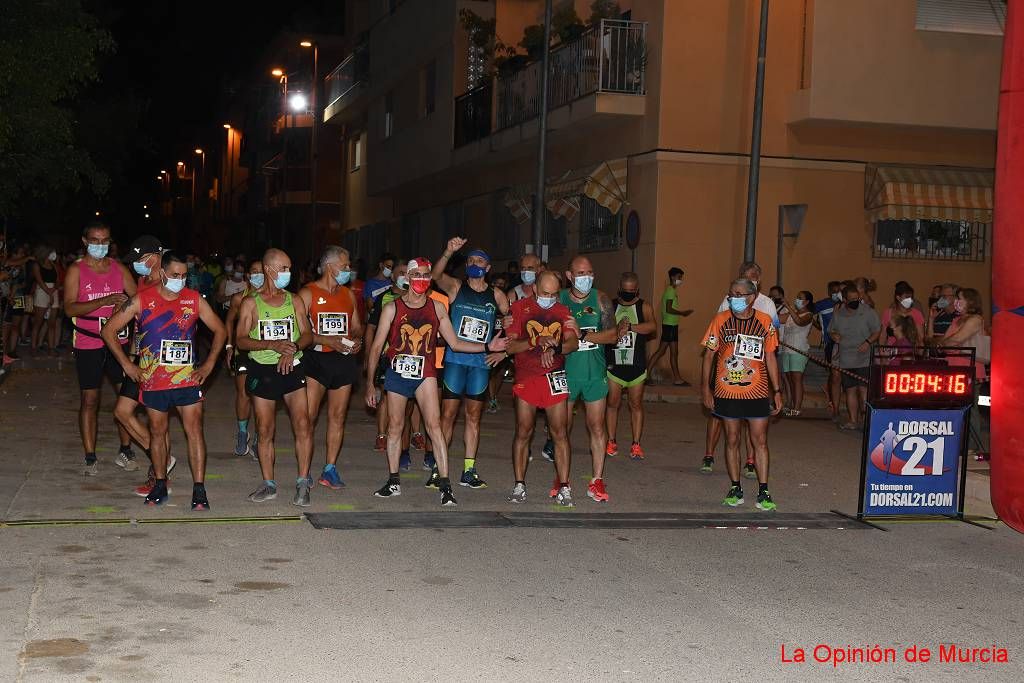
[
  {"x": 554, "y": 488},
  {"x": 636, "y": 451},
  {"x": 597, "y": 491},
  {"x": 613, "y": 448}
]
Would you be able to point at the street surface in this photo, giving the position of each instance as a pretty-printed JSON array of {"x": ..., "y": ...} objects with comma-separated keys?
[{"x": 248, "y": 598}]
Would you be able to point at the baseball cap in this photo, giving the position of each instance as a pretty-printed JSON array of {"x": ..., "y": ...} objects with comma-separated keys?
[
  {"x": 419, "y": 262},
  {"x": 145, "y": 244}
]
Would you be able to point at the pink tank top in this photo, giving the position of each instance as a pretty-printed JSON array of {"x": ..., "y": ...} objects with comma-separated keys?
[{"x": 93, "y": 285}]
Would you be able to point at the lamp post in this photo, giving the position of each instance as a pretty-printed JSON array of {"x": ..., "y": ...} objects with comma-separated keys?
[
  {"x": 314, "y": 152},
  {"x": 202, "y": 173},
  {"x": 542, "y": 137},
  {"x": 228, "y": 204},
  {"x": 283, "y": 79}
]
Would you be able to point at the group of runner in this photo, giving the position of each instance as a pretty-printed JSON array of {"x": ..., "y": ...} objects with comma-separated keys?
[{"x": 432, "y": 341}]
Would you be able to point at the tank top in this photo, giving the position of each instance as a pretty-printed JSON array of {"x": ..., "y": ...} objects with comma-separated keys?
[
  {"x": 588, "y": 361},
  {"x": 474, "y": 317},
  {"x": 631, "y": 348},
  {"x": 91, "y": 286},
  {"x": 330, "y": 314},
  {"x": 48, "y": 274},
  {"x": 166, "y": 329},
  {"x": 412, "y": 340},
  {"x": 232, "y": 287},
  {"x": 274, "y": 323}
]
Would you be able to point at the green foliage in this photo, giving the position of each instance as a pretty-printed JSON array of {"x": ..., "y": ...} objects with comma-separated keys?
[
  {"x": 604, "y": 9},
  {"x": 566, "y": 24},
  {"x": 49, "y": 51}
]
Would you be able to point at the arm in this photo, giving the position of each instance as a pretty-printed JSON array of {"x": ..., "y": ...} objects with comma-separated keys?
[
  {"x": 773, "y": 375},
  {"x": 302, "y": 319},
  {"x": 127, "y": 281},
  {"x": 220, "y": 334},
  {"x": 380, "y": 335},
  {"x": 355, "y": 325},
  {"x": 672, "y": 310},
  {"x": 650, "y": 326},
  {"x": 873, "y": 337},
  {"x": 609, "y": 332},
  {"x": 229, "y": 323},
  {"x": 446, "y": 282},
  {"x": 37, "y": 275},
  {"x": 968, "y": 329},
  {"x": 74, "y": 308},
  {"x": 706, "y": 366},
  {"x": 118, "y": 322},
  {"x": 503, "y": 301},
  {"x": 220, "y": 297}
]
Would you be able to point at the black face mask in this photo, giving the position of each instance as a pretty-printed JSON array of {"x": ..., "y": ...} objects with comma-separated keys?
[
  {"x": 627, "y": 296},
  {"x": 853, "y": 305}
]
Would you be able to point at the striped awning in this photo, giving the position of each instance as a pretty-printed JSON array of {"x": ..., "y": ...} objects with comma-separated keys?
[
  {"x": 607, "y": 184},
  {"x": 928, "y": 192}
]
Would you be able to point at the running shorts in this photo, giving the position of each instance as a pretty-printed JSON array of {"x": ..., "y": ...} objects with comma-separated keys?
[
  {"x": 164, "y": 400},
  {"x": 264, "y": 381},
  {"x": 465, "y": 381},
  {"x": 538, "y": 392},
  {"x": 742, "y": 408},
  {"x": 332, "y": 370},
  {"x": 92, "y": 365}
]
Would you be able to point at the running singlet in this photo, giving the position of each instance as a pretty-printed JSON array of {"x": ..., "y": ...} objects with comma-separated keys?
[
  {"x": 530, "y": 321},
  {"x": 474, "y": 317},
  {"x": 588, "y": 361},
  {"x": 232, "y": 287},
  {"x": 412, "y": 340},
  {"x": 631, "y": 349},
  {"x": 133, "y": 351},
  {"x": 91, "y": 286},
  {"x": 166, "y": 329},
  {"x": 330, "y": 314},
  {"x": 740, "y": 348},
  {"x": 274, "y": 323}
]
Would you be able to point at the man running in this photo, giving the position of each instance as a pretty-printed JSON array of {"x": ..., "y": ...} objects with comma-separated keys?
[
  {"x": 238, "y": 361},
  {"x": 399, "y": 285},
  {"x": 540, "y": 335},
  {"x": 331, "y": 365},
  {"x": 167, "y": 315},
  {"x": 627, "y": 362},
  {"x": 586, "y": 369},
  {"x": 411, "y": 325},
  {"x": 273, "y": 328},
  {"x": 93, "y": 287},
  {"x": 474, "y": 310},
  {"x": 739, "y": 362}
]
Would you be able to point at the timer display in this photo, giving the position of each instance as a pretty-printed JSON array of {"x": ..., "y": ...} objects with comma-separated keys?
[{"x": 926, "y": 383}]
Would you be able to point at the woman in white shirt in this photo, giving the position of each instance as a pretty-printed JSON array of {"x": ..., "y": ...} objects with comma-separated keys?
[{"x": 796, "y": 325}]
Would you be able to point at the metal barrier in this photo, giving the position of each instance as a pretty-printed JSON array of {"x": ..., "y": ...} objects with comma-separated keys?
[{"x": 473, "y": 112}]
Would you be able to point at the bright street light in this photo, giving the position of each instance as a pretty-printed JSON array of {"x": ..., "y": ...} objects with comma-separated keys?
[
  {"x": 227, "y": 126},
  {"x": 297, "y": 102},
  {"x": 306, "y": 43},
  {"x": 147, "y": 215},
  {"x": 277, "y": 72},
  {"x": 198, "y": 150}
]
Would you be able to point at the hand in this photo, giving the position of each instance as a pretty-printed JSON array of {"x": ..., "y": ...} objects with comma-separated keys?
[
  {"x": 285, "y": 363},
  {"x": 777, "y": 403},
  {"x": 495, "y": 358},
  {"x": 285, "y": 348},
  {"x": 863, "y": 348},
  {"x": 132, "y": 372},
  {"x": 688, "y": 311},
  {"x": 456, "y": 243},
  {"x": 115, "y": 299},
  {"x": 506, "y": 321},
  {"x": 571, "y": 324},
  {"x": 371, "y": 395},
  {"x": 622, "y": 328},
  {"x": 357, "y": 346},
  {"x": 708, "y": 399},
  {"x": 547, "y": 342},
  {"x": 497, "y": 344},
  {"x": 547, "y": 359},
  {"x": 203, "y": 372}
]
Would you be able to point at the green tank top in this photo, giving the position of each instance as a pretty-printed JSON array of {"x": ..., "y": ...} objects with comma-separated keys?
[
  {"x": 588, "y": 362},
  {"x": 275, "y": 323}
]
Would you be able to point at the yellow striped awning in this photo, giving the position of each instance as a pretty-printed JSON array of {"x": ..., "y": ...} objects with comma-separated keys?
[
  {"x": 607, "y": 184},
  {"x": 928, "y": 192}
]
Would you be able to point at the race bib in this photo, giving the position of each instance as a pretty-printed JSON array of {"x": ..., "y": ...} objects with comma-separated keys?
[
  {"x": 175, "y": 352},
  {"x": 276, "y": 330},
  {"x": 585, "y": 345},
  {"x": 409, "y": 367},
  {"x": 19, "y": 303},
  {"x": 332, "y": 324},
  {"x": 474, "y": 329},
  {"x": 626, "y": 341},
  {"x": 749, "y": 347},
  {"x": 558, "y": 383},
  {"x": 122, "y": 335}
]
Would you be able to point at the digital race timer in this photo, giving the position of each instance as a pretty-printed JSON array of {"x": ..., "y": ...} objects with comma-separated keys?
[{"x": 951, "y": 382}]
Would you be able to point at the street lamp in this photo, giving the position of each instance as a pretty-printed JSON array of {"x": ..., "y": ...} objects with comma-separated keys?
[
  {"x": 283, "y": 77},
  {"x": 202, "y": 172},
  {"x": 298, "y": 102},
  {"x": 314, "y": 152}
]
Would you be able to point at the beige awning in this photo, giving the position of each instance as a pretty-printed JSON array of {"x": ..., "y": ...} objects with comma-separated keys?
[
  {"x": 607, "y": 184},
  {"x": 928, "y": 192}
]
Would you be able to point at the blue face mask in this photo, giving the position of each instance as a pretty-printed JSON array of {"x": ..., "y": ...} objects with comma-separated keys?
[
  {"x": 529, "y": 277},
  {"x": 343, "y": 277},
  {"x": 282, "y": 279},
  {"x": 141, "y": 268},
  {"x": 799, "y": 304},
  {"x": 257, "y": 280},
  {"x": 738, "y": 304},
  {"x": 175, "y": 284},
  {"x": 97, "y": 251},
  {"x": 546, "y": 301},
  {"x": 385, "y": 272},
  {"x": 942, "y": 302},
  {"x": 475, "y": 271},
  {"x": 583, "y": 283}
]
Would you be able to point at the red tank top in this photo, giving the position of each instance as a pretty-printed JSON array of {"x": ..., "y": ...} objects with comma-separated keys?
[
  {"x": 330, "y": 314},
  {"x": 412, "y": 340}
]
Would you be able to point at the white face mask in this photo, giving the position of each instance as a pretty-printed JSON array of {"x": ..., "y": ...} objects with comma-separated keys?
[{"x": 907, "y": 302}]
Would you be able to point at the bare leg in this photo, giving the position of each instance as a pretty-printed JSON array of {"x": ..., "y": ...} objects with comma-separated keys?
[
  {"x": 714, "y": 433},
  {"x": 265, "y": 426},
  {"x": 474, "y": 411},
  {"x": 51, "y": 329},
  {"x": 595, "y": 415},
  {"x": 636, "y": 411},
  {"x": 124, "y": 412},
  {"x": 37, "y": 327},
  {"x": 852, "y": 405},
  {"x": 796, "y": 383},
  {"x": 759, "y": 435},
  {"x": 673, "y": 360},
  {"x": 834, "y": 388},
  {"x": 449, "y": 414},
  {"x": 192, "y": 421},
  {"x": 243, "y": 404},
  {"x": 430, "y": 412},
  {"x": 337, "y": 411},
  {"x": 526, "y": 418},
  {"x": 298, "y": 411},
  {"x": 612, "y": 413},
  {"x": 314, "y": 397},
  {"x": 88, "y": 408},
  {"x": 158, "y": 430},
  {"x": 396, "y": 426},
  {"x": 732, "y": 448}
]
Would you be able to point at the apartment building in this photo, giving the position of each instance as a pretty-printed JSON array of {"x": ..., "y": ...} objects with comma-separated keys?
[{"x": 877, "y": 153}]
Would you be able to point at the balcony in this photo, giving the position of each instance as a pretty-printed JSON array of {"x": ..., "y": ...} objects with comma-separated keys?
[
  {"x": 602, "y": 71},
  {"x": 344, "y": 85}
]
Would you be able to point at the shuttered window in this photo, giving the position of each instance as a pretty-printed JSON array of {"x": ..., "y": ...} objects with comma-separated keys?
[{"x": 985, "y": 17}]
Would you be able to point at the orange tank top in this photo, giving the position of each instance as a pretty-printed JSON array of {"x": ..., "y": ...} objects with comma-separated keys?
[{"x": 330, "y": 314}]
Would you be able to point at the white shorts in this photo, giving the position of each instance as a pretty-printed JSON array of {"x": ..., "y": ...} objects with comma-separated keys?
[{"x": 42, "y": 300}]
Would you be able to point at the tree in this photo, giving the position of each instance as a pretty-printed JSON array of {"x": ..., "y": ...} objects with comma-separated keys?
[{"x": 49, "y": 51}]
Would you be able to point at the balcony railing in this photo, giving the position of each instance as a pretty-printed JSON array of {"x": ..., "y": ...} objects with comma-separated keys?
[
  {"x": 473, "y": 115},
  {"x": 349, "y": 74}
]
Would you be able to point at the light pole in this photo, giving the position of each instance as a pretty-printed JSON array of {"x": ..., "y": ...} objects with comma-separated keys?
[
  {"x": 754, "y": 175},
  {"x": 283, "y": 79},
  {"x": 228, "y": 204},
  {"x": 202, "y": 172},
  {"x": 314, "y": 153},
  {"x": 542, "y": 137}
]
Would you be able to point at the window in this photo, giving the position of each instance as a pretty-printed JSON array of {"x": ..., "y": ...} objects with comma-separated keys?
[
  {"x": 356, "y": 152},
  {"x": 428, "y": 88},
  {"x": 985, "y": 17},
  {"x": 599, "y": 227},
  {"x": 932, "y": 240},
  {"x": 389, "y": 115}
]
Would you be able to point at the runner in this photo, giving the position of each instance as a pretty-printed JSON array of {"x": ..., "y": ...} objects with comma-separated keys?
[
  {"x": 627, "y": 362},
  {"x": 541, "y": 333},
  {"x": 238, "y": 361},
  {"x": 412, "y": 325},
  {"x": 475, "y": 307},
  {"x": 586, "y": 369},
  {"x": 739, "y": 362},
  {"x": 399, "y": 285},
  {"x": 273, "y": 328},
  {"x": 167, "y": 315},
  {"x": 234, "y": 281},
  {"x": 331, "y": 365},
  {"x": 670, "y": 315},
  {"x": 93, "y": 287},
  {"x": 530, "y": 267}
]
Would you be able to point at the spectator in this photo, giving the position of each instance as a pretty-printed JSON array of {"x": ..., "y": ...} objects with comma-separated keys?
[
  {"x": 824, "y": 310},
  {"x": 796, "y": 325},
  {"x": 902, "y": 306},
  {"x": 670, "y": 315},
  {"x": 967, "y": 331},
  {"x": 943, "y": 313},
  {"x": 865, "y": 286},
  {"x": 905, "y": 337},
  {"x": 48, "y": 300},
  {"x": 381, "y": 280},
  {"x": 854, "y": 329}
]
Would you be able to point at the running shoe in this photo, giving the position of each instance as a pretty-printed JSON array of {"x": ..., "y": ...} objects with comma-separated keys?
[
  {"x": 429, "y": 461},
  {"x": 388, "y": 490},
  {"x": 765, "y": 502},
  {"x": 492, "y": 406},
  {"x": 264, "y": 492},
  {"x": 434, "y": 480},
  {"x": 91, "y": 469},
  {"x": 144, "y": 489},
  {"x": 734, "y": 498},
  {"x": 597, "y": 492},
  {"x": 418, "y": 441},
  {"x": 554, "y": 488},
  {"x": 564, "y": 497},
  {"x": 125, "y": 459},
  {"x": 447, "y": 498},
  {"x": 381, "y": 442},
  {"x": 171, "y": 462},
  {"x": 330, "y": 478},
  {"x": 707, "y": 465},
  {"x": 159, "y": 494},
  {"x": 612, "y": 449},
  {"x": 549, "y": 450},
  {"x": 200, "y": 503},
  {"x": 636, "y": 452},
  {"x": 302, "y": 487},
  {"x": 471, "y": 479},
  {"x": 405, "y": 461},
  {"x": 749, "y": 471},
  {"x": 242, "y": 443},
  {"x": 518, "y": 494}
]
